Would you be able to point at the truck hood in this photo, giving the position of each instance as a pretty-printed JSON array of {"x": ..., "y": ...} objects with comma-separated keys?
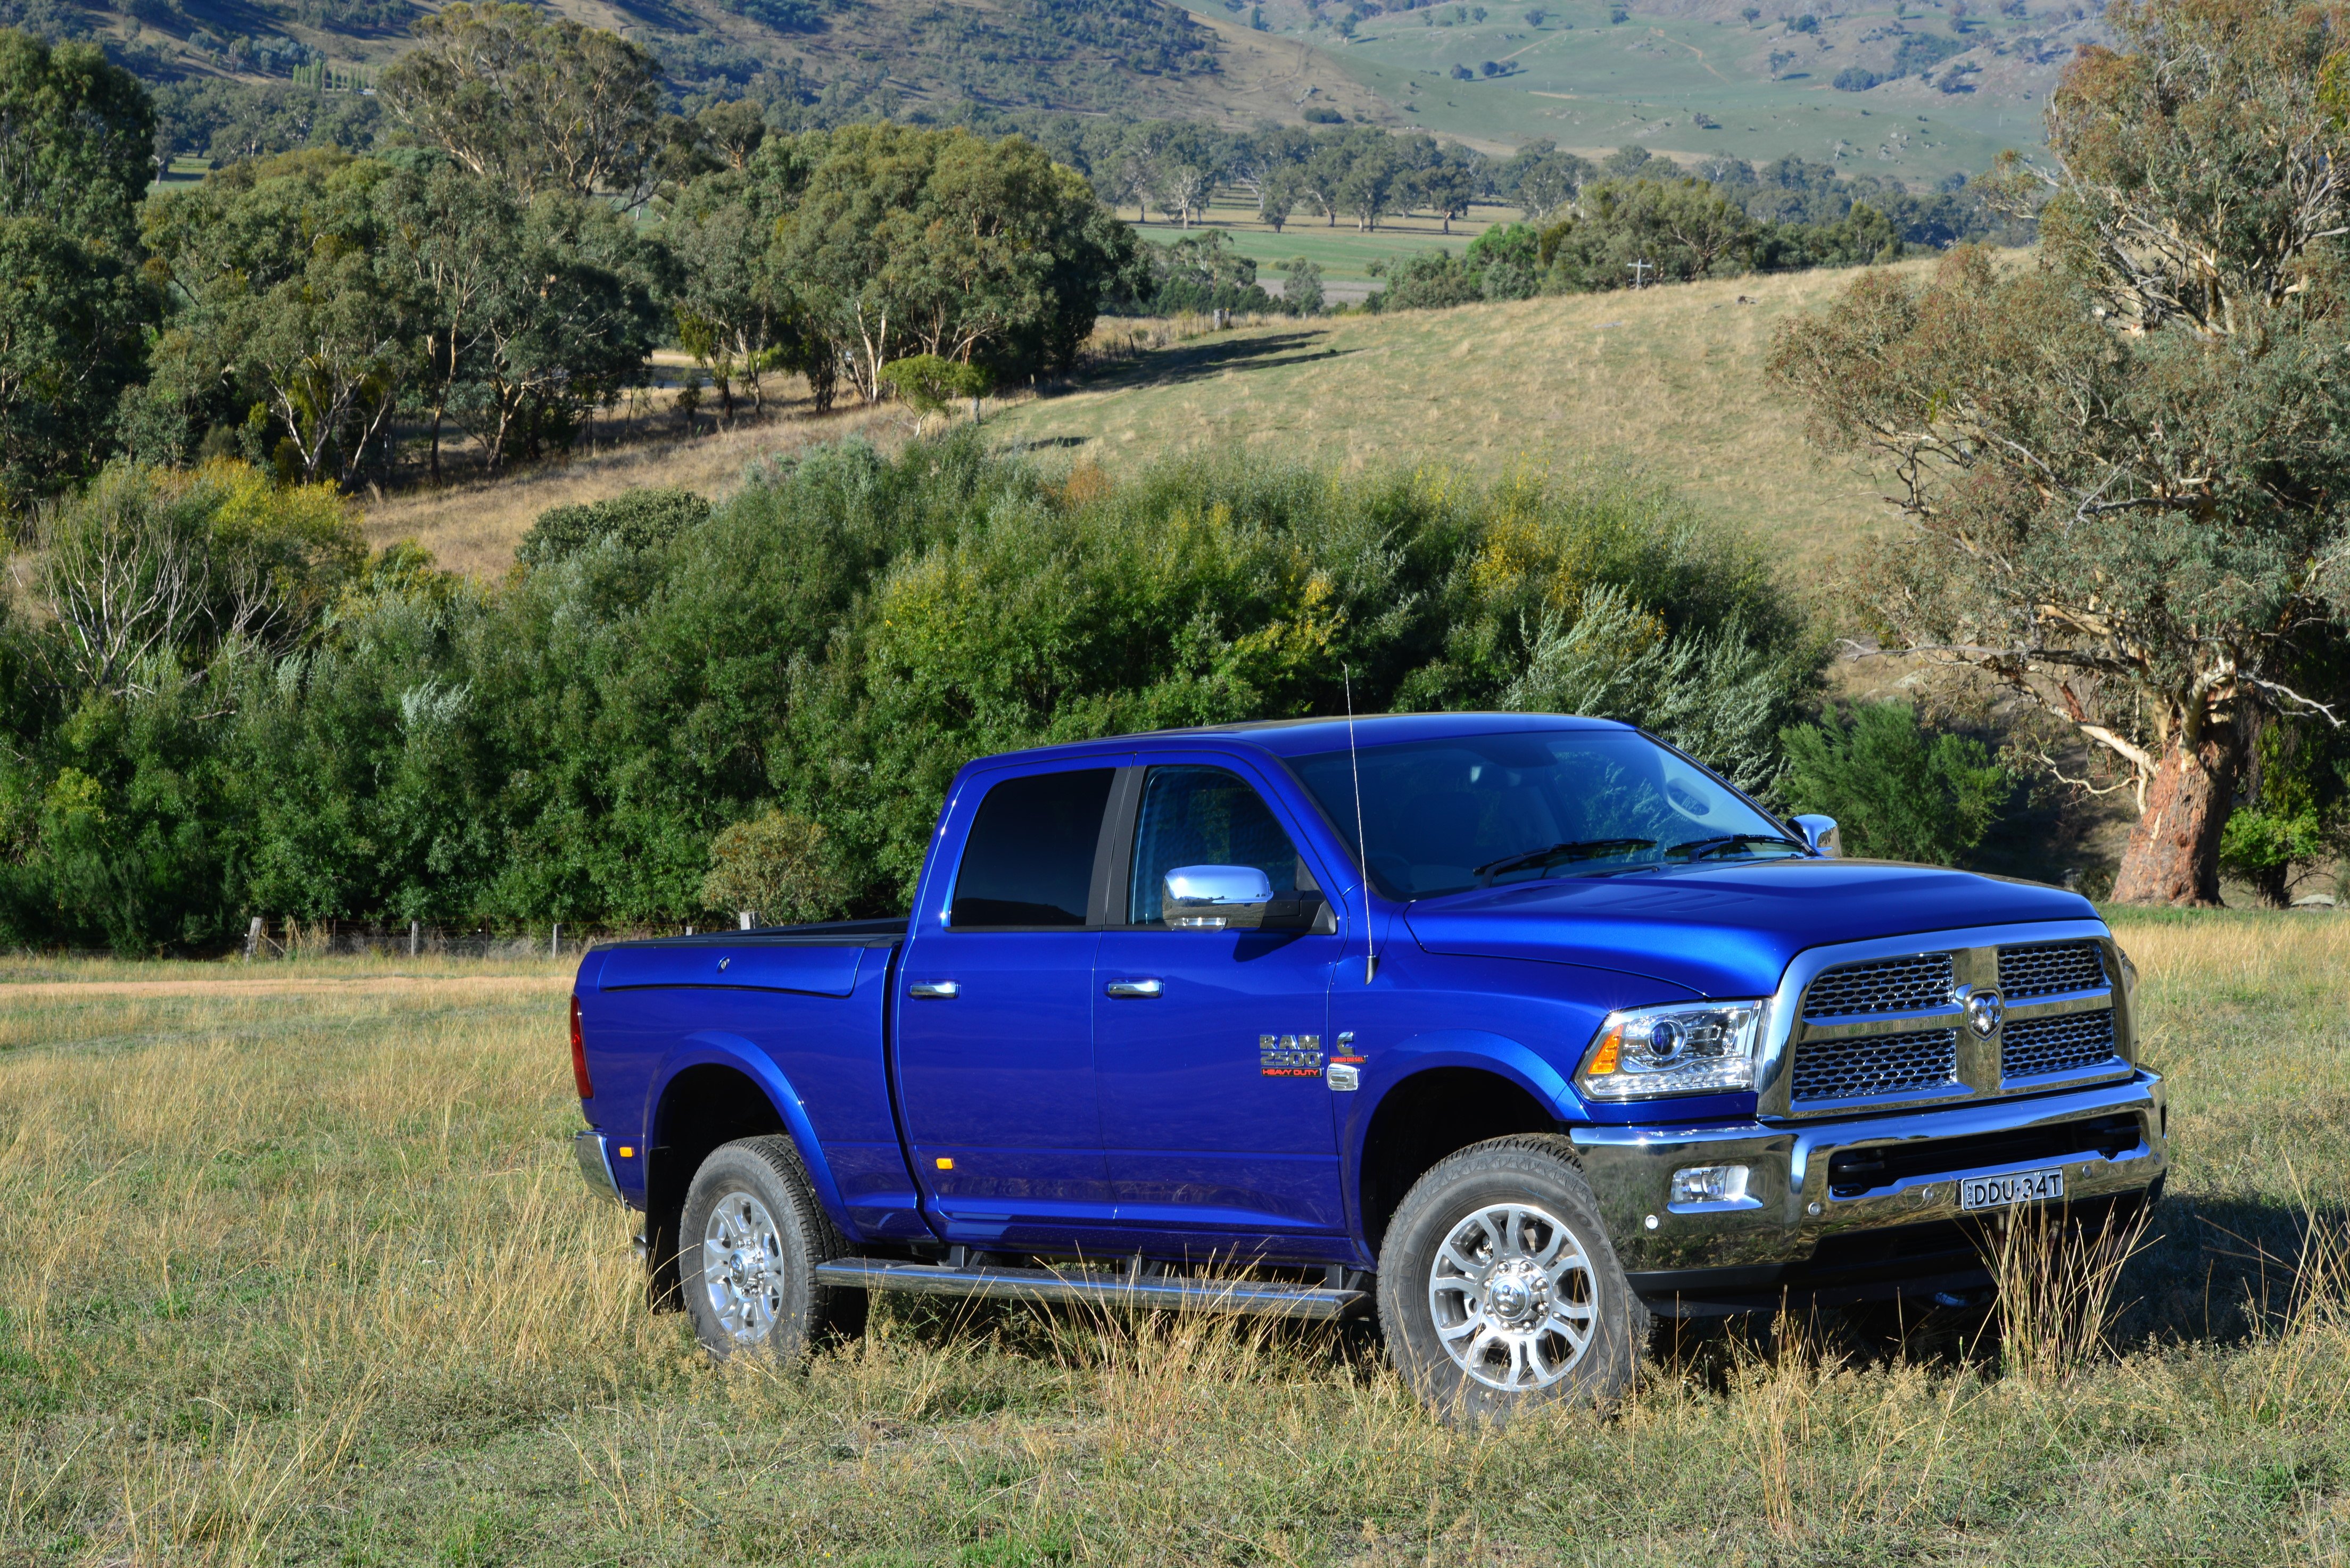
[{"x": 1727, "y": 929}]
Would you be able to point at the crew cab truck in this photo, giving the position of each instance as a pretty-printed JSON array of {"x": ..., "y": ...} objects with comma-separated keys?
[{"x": 1514, "y": 1030}]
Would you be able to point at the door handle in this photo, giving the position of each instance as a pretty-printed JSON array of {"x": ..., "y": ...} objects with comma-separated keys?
[
  {"x": 934, "y": 990},
  {"x": 1135, "y": 990}
]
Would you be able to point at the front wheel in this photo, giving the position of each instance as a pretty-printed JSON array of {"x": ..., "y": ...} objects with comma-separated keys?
[
  {"x": 1499, "y": 1289},
  {"x": 753, "y": 1234}
]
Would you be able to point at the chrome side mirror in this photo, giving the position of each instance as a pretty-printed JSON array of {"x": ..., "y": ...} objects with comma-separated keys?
[
  {"x": 1210, "y": 897},
  {"x": 1820, "y": 833}
]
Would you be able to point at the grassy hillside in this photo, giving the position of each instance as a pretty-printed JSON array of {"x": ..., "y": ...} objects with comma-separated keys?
[{"x": 1669, "y": 376}]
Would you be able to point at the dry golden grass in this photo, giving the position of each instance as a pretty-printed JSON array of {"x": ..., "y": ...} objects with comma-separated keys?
[
  {"x": 307, "y": 1278},
  {"x": 474, "y": 525},
  {"x": 1669, "y": 379}
]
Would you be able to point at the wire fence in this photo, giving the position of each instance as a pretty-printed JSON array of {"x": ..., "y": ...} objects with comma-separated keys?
[{"x": 267, "y": 939}]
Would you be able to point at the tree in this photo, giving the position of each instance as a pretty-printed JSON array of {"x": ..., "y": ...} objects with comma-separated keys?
[
  {"x": 930, "y": 385},
  {"x": 449, "y": 235},
  {"x": 1300, "y": 287},
  {"x": 540, "y": 104},
  {"x": 732, "y": 316},
  {"x": 938, "y": 241},
  {"x": 75, "y": 144},
  {"x": 1368, "y": 189},
  {"x": 2119, "y": 465},
  {"x": 1897, "y": 790},
  {"x": 1542, "y": 180},
  {"x": 571, "y": 313},
  {"x": 291, "y": 311},
  {"x": 1682, "y": 229},
  {"x": 1446, "y": 187},
  {"x": 773, "y": 865}
]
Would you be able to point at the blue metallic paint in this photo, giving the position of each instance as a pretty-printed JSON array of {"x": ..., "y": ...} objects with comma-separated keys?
[
  {"x": 714, "y": 1047},
  {"x": 1725, "y": 930},
  {"x": 1511, "y": 980}
]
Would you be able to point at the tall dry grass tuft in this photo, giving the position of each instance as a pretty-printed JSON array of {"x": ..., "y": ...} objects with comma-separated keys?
[{"x": 2059, "y": 1283}]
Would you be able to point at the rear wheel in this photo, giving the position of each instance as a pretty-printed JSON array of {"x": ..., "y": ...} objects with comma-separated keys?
[
  {"x": 1499, "y": 1289},
  {"x": 753, "y": 1234}
]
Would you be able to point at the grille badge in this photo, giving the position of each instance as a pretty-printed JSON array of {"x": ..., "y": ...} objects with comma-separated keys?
[{"x": 1984, "y": 1008}]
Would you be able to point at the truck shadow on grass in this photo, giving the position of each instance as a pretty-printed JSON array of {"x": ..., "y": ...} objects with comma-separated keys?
[
  {"x": 2216, "y": 1271},
  {"x": 2204, "y": 1270}
]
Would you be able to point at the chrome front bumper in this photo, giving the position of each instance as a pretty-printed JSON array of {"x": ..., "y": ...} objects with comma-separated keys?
[
  {"x": 1767, "y": 1241},
  {"x": 596, "y": 1163}
]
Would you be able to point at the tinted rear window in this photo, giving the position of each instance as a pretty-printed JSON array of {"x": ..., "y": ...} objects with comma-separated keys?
[{"x": 1030, "y": 858}]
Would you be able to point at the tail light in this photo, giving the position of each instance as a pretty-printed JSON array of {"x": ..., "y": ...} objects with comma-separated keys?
[{"x": 579, "y": 1054}]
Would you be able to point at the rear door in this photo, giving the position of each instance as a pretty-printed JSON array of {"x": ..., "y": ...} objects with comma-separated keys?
[
  {"x": 1209, "y": 1043},
  {"x": 994, "y": 1011}
]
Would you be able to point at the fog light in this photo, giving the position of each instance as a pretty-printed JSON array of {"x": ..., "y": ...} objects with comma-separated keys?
[{"x": 1706, "y": 1184}]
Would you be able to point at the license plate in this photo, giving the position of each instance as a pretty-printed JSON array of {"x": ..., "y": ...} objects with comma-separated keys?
[{"x": 2006, "y": 1191}]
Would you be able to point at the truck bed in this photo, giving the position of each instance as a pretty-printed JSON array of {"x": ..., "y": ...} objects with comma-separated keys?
[{"x": 741, "y": 1027}]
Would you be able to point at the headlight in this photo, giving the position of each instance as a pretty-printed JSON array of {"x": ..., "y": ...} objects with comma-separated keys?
[
  {"x": 2129, "y": 974},
  {"x": 1706, "y": 1049}
]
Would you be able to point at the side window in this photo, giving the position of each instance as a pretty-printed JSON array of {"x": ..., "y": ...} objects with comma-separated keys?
[
  {"x": 1029, "y": 862},
  {"x": 1207, "y": 816}
]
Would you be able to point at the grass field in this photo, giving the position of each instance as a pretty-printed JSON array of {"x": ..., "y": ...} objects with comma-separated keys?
[
  {"x": 297, "y": 1271},
  {"x": 1343, "y": 252}
]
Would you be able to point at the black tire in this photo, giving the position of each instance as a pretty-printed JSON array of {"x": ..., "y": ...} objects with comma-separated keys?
[
  {"x": 782, "y": 1234},
  {"x": 1512, "y": 1356}
]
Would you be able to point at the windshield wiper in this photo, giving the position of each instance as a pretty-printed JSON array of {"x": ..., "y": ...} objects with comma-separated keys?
[
  {"x": 1576, "y": 849},
  {"x": 1699, "y": 848}
]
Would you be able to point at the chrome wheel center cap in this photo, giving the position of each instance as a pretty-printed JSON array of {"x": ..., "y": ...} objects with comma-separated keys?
[{"x": 1516, "y": 1294}]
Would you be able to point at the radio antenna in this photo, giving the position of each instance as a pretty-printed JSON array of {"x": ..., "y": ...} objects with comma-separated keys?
[{"x": 1362, "y": 843}]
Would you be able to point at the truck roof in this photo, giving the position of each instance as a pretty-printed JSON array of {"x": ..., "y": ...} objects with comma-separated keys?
[{"x": 1304, "y": 737}]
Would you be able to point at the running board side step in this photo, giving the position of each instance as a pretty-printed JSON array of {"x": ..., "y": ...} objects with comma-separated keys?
[{"x": 1150, "y": 1292}]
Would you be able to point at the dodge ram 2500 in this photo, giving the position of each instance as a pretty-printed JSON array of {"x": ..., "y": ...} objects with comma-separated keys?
[{"x": 1514, "y": 1030}]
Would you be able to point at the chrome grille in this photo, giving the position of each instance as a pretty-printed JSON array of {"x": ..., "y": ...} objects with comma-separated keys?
[
  {"x": 1875, "y": 1063},
  {"x": 2034, "y": 1047},
  {"x": 1919, "y": 984},
  {"x": 2050, "y": 970}
]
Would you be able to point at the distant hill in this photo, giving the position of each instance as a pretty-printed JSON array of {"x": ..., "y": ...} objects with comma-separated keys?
[
  {"x": 1088, "y": 57},
  {"x": 1921, "y": 89},
  {"x": 1918, "y": 88}
]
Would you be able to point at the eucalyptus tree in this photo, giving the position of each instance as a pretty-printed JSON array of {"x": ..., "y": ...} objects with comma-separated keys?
[
  {"x": 289, "y": 316},
  {"x": 76, "y": 140},
  {"x": 539, "y": 102},
  {"x": 2123, "y": 463},
  {"x": 938, "y": 241}
]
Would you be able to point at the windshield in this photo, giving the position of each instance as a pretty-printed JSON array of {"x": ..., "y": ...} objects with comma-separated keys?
[{"x": 1487, "y": 810}]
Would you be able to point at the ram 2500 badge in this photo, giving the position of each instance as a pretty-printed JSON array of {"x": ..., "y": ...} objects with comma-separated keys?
[{"x": 1514, "y": 1030}]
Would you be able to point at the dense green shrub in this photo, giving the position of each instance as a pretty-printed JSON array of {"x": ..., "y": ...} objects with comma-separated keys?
[
  {"x": 638, "y": 520},
  {"x": 1899, "y": 789},
  {"x": 831, "y": 644}
]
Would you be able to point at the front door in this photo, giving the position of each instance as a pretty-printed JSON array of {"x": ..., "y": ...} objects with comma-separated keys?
[
  {"x": 995, "y": 1023},
  {"x": 1208, "y": 1043}
]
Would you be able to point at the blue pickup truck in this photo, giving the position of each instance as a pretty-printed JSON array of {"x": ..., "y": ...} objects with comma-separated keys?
[{"x": 1516, "y": 1031}]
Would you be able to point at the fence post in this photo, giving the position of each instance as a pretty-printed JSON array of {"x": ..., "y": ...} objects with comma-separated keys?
[
  {"x": 554, "y": 942},
  {"x": 253, "y": 938},
  {"x": 746, "y": 917},
  {"x": 412, "y": 926}
]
